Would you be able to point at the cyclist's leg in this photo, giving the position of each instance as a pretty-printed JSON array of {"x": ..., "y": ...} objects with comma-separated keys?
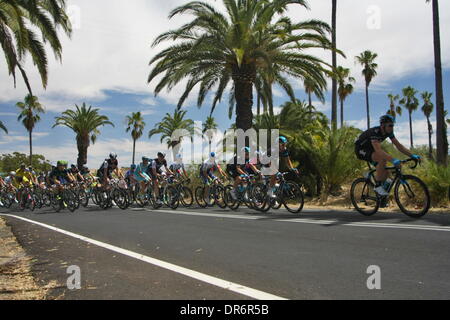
[{"x": 381, "y": 173}]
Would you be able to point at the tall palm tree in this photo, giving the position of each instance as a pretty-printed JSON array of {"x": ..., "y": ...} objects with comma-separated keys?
[
  {"x": 238, "y": 46},
  {"x": 135, "y": 124},
  {"x": 168, "y": 127},
  {"x": 427, "y": 109},
  {"x": 2, "y": 126},
  {"x": 366, "y": 59},
  {"x": 85, "y": 122},
  {"x": 20, "y": 20},
  {"x": 394, "y": 108},
  {"x": 209, "y": 124},
  {"x": 334, "y": 58},
  {"x": 345, "y": 87},
  {"x": 411, "y": 103},
  {"x": 441, "y": 132},
  {"x": 29, "y": 115}
]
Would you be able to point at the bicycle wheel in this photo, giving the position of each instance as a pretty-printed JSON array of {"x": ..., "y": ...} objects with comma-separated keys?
[
  {"x": 56, "y": 202},
  {"x": 200, "y": 197},
  {"x": 412, "y": 196},
  {"x": 171, "y": 197},
  {"x": 120, "y": 198},
  {"x": 292, "y": 197},
  {"x": 363, "y": 197},
  {"x": 233, "y": 204},
  {"x": 71, "y": 200},
  {"x": 219, "y": 197},
  {"x": 186, "y": 197}
]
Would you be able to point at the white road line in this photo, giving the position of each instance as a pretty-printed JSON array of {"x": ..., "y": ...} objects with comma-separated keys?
[
  {"x": 227, "y": 285},
  {"x": 311, "y": 221}
]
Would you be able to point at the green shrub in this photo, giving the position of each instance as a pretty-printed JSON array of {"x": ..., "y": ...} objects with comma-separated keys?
[{"x": 437, "y": 179}]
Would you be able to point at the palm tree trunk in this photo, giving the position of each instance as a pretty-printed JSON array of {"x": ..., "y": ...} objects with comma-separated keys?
[
  {"x": 342, "y": 113},
  {"x": 334, "y": 92},
  {"x": 243, "y": 78},
  {"x": 410, "y": 130},
  {"x": 134, "y": 149},
  {"x": 82, "y": 146},
  {"x": 441, "y": 137},
  {"x": 310, "y": 99},
  {"x": 367, "y": 106},
  {"x": 430, "y": 132},
  {"x": 258, "y": 103},
  {"x": 31, "y": 147}
]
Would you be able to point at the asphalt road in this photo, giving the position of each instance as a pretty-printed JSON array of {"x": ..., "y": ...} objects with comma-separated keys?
[{"x": 313, "y": 255}]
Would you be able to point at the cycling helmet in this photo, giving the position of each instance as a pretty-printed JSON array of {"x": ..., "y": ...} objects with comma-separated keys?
[
  {"x": 145, "y": 159},
  {"x": 133, "y": 166},
  {"x": 212, "y": 154},
  {"x": 282, "y": 139},
  {"x": 60, "y": 163},
  {"x": 73, "y": 166},
  {"x": 161, "y": 154},
  {"x": 112, "y": 155},
  {"x": 179, "y": 156},
  {"x": 12, "y": 173},
  {"x": 387, "y": 119}
]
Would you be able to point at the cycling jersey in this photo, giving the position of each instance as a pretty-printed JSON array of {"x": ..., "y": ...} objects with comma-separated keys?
[
  {"x": 108, "y": 163},
  {"x": 156, "y": 164},
  {"x": 60, "y": 175},
  {"x": 363, "y": 145},
  {"x": 27, "y": 175}
]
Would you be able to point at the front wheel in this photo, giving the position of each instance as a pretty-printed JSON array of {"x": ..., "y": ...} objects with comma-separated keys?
[
  {"x": 293, "y": 199},
  {"x": 412, "y": 196},
  {"x": 363, "y": 197}
]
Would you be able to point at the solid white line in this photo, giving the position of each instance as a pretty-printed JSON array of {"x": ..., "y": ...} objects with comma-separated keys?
[
  {"x": 227, "y": 285},
  {"x": 311, "y": 221}
]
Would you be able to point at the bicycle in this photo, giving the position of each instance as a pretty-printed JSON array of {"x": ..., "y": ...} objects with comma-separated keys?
[{"x": 411, "y": 194}]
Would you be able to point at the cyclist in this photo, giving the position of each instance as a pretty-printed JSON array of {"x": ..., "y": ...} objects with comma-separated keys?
[
  {"x": 129, "y": 176},
  {"x": 60, "y": 175},
  {"x": 238, "y": 171},
  {"x": 140, "y": 174},
  {"x": 108, "y": 167},
  {"x": 178, "y": 167},
  {"x": 25, "y": 175},
  {"x": 157, "y": 173},
  {"x": 368, "y": 148},
  {"x": 75, "y": 173},
  {"x": 285, "y": 164}
]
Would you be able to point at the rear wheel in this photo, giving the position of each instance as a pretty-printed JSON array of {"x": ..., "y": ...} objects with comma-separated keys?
[
  {"x": 186, "y": 197},
  {"x": 363, "y": 197},
  {"x": 120, "y": 198},
  {"x": 200, "y": 197},
  {"x": 412, "y": 196}
]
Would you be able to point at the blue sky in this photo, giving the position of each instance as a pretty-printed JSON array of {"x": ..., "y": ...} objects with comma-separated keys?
[{"x": 105, "y": 65}]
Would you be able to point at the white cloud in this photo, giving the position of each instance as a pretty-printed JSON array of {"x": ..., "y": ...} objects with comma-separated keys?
[{"x": 111, "y": 49}]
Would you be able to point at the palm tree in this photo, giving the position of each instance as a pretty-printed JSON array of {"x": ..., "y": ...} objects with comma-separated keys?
[
  {"x": 394, "y": 109},
  {"x": 29, "y": 115},
  {"x": 2, "y": 126},
  {"x": 19, "y": 22},
  {"x": 239, "y": 46},
  {"x": 334, "y": 58},
  {"x": 209, "y": 124},
  {"x": 441, "y": 132},
  {"x": 311, "y": 87},
  {"x": 427, "y": 109},
  {"x": 345, "y": 87},
  {"x": 411, "y": 103},
  {"x": 85, "y": 122},
  {"x": 171, "y": 127},
  {"x": 136, "y": 125},
  {"x": 366, "y": 59}
]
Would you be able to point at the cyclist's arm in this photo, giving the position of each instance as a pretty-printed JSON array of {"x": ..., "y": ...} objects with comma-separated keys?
[
  {"x": 401, "y": 148},
  {"x": 377, "y": 147}
]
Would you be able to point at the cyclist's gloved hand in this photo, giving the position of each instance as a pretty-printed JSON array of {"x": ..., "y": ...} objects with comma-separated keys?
[
  {"x": 396, "y": 162},
  {"x": 416, "y": 157}
]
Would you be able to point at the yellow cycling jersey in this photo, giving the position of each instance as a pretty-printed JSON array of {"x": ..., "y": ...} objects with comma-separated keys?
[{"x": 25, "y": 174}]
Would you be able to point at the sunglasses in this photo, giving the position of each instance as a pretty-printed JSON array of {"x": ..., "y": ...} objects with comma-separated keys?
[{"x": 390, "y": 126}]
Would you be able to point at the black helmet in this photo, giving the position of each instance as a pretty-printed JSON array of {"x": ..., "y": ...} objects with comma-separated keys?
[
  {"x": 112, "y": 155},
  {"x": 387, "y": 118},
  {"x": 161, "y": 154},
  {"x": 73, "y": 166}
]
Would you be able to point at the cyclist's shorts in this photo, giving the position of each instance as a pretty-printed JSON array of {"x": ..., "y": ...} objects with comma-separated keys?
[
  {"x": 364, "y": 154},
  {"x": 206, "y": 179},
  {"x": 140, "y": 179}
]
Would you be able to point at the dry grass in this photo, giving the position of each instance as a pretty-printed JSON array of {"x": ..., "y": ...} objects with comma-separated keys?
[{"x": 16, "y": 280}]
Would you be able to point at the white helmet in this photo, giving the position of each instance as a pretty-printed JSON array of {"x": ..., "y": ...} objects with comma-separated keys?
[{"x": 12, "y": 173}]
